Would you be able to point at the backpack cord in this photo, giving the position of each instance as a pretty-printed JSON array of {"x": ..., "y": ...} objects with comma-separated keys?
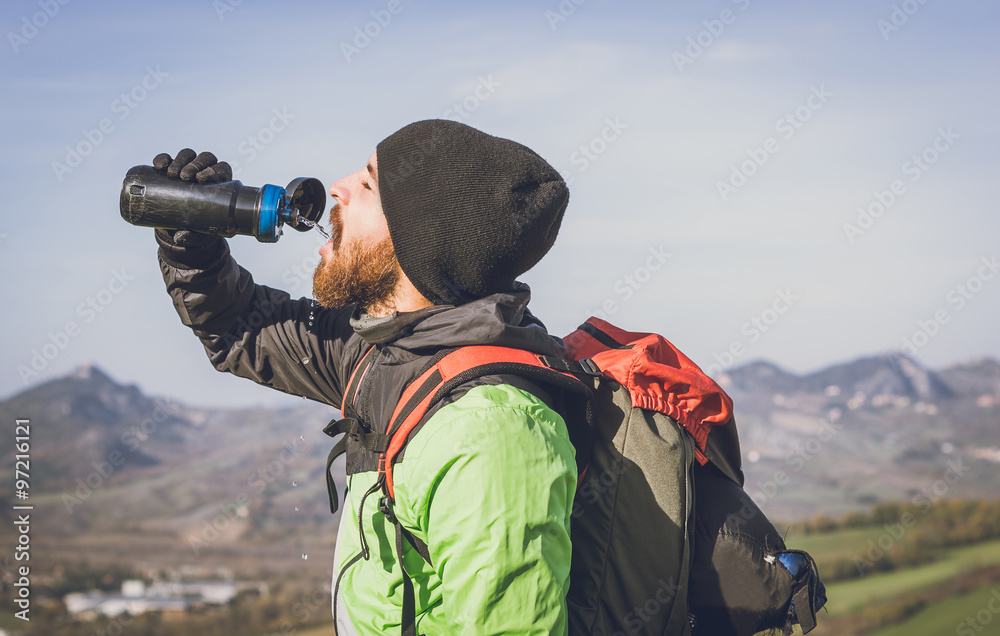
[
  {"x": 365, "y": 552},
  {"x": 408, "y": 620}
]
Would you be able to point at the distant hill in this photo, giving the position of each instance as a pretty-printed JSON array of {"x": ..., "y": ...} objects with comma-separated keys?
[
  {"x": 973, "y": 379},
  {"x": 86, "y": 416},
  {"x": 877, "y": 428},
  {"x": 890, "y": 375},
  {"x": 107, "y": 457}
]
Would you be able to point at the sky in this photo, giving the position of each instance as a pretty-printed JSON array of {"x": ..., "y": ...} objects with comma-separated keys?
[{"x": 801, "y": 182}]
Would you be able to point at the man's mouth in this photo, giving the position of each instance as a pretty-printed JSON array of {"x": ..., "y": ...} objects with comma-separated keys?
[{"x": 335, "y": 228}]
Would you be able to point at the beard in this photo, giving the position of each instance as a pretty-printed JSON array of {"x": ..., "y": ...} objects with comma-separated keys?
[{"x": 362, "y": 273}]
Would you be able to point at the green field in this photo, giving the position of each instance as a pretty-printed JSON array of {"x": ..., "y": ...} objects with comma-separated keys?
[
  {"x": 946, "y": 616},
  {"x": 853, "y": 597},
  {"x": 848, "y": 596},
  {"x": 840, "y": 544}
]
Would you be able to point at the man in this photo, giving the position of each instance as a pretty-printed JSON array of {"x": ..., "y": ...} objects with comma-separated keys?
[{"x": 428, "y": 239}]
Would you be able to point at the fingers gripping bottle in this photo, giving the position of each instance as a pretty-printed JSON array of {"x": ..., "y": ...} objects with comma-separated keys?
[{"x": 150, "y": 198}]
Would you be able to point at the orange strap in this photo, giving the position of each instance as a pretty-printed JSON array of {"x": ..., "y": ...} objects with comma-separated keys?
[{"x": 423, "y": 392}]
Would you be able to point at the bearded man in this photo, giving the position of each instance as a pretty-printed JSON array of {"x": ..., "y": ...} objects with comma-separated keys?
[{"x": 428, "y": 239}]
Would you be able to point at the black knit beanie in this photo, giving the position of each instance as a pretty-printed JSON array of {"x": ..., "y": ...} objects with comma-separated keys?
[{"x": 467, "y": 212}]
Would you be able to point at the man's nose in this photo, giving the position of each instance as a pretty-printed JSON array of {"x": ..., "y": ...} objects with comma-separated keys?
[{"x": 340, "y": 192}]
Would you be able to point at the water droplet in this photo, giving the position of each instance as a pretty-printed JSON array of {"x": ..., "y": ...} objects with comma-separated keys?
[
  {"x": 295, "y": 484},
  {"x": 305, "y": 360},
  {"x": 305, "y": 556},
  {"x": 296, "y": 508},
  {"x": 315, "y": 226},
  {"x": 301, "y": 437}
]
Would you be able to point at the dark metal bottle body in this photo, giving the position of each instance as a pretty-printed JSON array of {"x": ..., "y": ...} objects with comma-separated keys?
[{"x": 150, "y": 198}]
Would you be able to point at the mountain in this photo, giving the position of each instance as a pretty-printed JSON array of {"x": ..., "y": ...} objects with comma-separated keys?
[
  {"x": 875, "y": 428},
  {"x": 891, "y": 375},
  {"x": 86, "y": 417},
  {"x": 761, "y": 376},
  {"x": 106, "y": 458},
  {"x": 974, "y": 379}
]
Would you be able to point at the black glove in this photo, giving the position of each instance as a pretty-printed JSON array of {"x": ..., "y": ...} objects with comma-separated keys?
[{"x": 203, "y": 168}]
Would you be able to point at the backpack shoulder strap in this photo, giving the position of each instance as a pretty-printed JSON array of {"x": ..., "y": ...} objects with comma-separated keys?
[
  {"x": 354, "y": 383},
  {"x": 457, "y": 367},
  {"x": 445, "y": 371},
  {"x": 348, "y": 424}
]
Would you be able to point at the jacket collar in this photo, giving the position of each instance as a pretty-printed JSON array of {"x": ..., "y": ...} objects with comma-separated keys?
[{"x": 498, "y": 319}]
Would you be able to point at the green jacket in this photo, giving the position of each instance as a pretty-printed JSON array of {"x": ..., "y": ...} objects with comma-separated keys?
[
  {"x": 488, "y": 485},
  {"x": 487, "y": 482}
]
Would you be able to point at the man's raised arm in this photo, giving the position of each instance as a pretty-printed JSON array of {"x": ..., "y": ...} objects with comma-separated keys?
[{"x": 250, "y": 330}]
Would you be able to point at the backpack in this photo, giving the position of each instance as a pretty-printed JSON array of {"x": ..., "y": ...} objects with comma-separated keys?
[{"x": 665, "y": 539}]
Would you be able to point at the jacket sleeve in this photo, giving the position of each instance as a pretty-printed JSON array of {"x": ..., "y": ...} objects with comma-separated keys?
[
  {"x": 254, "y": 331},
  {"x": 492, "y": 485}
]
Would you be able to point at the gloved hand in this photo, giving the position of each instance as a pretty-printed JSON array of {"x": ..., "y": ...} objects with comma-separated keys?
[{"x": 203, "y": 168}]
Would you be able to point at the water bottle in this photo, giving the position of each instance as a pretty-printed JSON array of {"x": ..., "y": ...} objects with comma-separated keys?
[{"x": 150, "y": 198}]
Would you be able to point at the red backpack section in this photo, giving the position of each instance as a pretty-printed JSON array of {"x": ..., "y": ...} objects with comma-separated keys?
[{"x": 658, "y": 376}]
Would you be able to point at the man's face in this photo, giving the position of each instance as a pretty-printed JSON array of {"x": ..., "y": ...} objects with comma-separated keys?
[{"x": 358, "y": 265}]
